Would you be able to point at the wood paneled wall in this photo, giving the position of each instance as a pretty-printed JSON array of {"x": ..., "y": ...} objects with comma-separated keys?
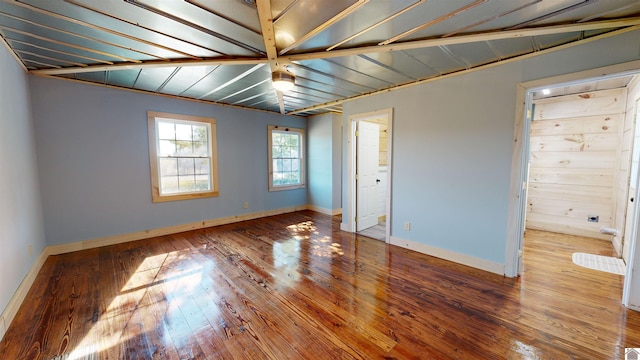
[
  {"x": 384, "y": 141},
  {"x": 575, "y": 149}
]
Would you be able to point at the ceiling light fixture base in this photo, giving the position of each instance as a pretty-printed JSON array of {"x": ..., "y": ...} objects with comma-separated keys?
[{"x": 282, "y": 80}]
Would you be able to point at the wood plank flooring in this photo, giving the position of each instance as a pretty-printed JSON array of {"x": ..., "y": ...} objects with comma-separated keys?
[{"x": 294, "y": 286}]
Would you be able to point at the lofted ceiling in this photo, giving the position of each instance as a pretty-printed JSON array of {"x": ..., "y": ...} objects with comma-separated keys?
[{"x": 224, "y": 51}]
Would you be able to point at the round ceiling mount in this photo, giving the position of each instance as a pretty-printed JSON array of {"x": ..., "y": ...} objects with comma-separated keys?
[{"x": 282, "y": 80}]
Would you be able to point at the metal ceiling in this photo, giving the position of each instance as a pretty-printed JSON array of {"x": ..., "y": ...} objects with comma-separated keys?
[{"x": 224, "y": 51}]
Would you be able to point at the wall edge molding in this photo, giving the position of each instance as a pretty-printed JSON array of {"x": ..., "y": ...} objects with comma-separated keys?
[
  {"x": 174, "y": 229},
  {"x": 449, "y": 255},
  {"x": 331, "y": 212},
  {"x": 21, "y": 293}
]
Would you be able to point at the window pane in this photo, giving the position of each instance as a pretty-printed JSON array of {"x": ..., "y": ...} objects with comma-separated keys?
[
  {"x": 276, "y": 152},
  {"x": 167, "y": 147},
  {"x": 202, "y": 166},
  {"x": 166, "y": 130},
  {"x": 168, "y": 166},
  {"x": 202, "y": 182},
  {"x": 286, "y": 165},
  {"x": 169, "y": 184},
  {"x": 293, "y": 140},
  {"x": 277, "y": 179},
  {"x": 295, "y": 165},
  {"x": 184, "y": 147},
  {"x": 276, "y": 139},
  {"x": 183, "y": 132},
  {"x": 200, "y": 133},
  {"x": 200, "y": 148},
  {"x": 186, "y": 166},
  {"x": 187, "y": 183}
]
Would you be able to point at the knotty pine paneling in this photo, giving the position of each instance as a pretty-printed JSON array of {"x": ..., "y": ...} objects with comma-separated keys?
[
  {"x": 579, "y": 105},
  {"x": 568, "y": 192},
  {"x": 576, "y": 142},
  {"x": 384, "y": 143},
  {"x": 577, "y": 126}
]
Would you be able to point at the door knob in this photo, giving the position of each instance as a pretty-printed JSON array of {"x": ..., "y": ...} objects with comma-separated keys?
[{"x": 378, "y": 180}]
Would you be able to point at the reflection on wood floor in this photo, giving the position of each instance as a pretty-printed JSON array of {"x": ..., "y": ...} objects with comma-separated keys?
[{"x": 295, "y": 287}]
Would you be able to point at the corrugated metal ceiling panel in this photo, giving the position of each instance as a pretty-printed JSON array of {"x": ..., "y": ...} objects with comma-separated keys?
[{"x": 216, "y": 51}]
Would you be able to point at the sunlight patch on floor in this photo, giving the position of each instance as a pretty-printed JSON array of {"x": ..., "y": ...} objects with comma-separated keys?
[{"x": 152, "y": 277}]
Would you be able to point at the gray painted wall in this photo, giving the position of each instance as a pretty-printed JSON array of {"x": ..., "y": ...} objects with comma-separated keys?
[
  {"x": 452, "y": 147},
  {"x": 93, "y": 159},
  {"x": 324, "y": 161},
  {"x": 337, "y": 161},
  {"x": 320, "y": 161},
  {"x": 20, "y": 207}
]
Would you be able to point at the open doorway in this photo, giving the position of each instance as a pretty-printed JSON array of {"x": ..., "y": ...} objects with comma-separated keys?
[
  {"x": 369, "y": 168},
  {"x": 611, "y": 197}
]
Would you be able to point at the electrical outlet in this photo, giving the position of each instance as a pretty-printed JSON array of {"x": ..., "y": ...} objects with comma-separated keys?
[
  {"x": 30, "y": 250},
  {"x": 407, "y": 226},
  {"x": 593, "y": 218},
  {"x": 246, "y": 205}
]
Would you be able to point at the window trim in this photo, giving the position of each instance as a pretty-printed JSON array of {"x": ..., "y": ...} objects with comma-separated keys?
[
  {"x": 152, "y": 120},
  {"x": 302, "y": 184}
]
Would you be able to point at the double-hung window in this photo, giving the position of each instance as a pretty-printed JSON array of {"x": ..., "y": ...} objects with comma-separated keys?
[
  {"x": 286, "y": 158},
  {"x": 182, "y": 151}
]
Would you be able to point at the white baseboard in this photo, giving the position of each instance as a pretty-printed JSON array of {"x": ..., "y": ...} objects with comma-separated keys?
[
  {"x": 324, "y": 210},
  {"x": 145, "y": 234},
  {"x": 3, "y": 328},
  {"x": 633, "y": 307},
  {"x": 21, "y": 293},
  {"x": 463, "y": 259}
]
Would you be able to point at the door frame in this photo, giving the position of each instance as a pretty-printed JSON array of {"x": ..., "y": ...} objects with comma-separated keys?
[
  {"x": 351, "y": 167},
  {"x": 520, "y": 163}
]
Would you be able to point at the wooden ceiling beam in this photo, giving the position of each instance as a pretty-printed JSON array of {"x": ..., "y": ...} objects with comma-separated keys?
[
  {"x": 150, "y": 64},
  {"x": 334, "y": 103},
  {"x": 471, "y": 38},
  {"x": 268, "y": 34}
]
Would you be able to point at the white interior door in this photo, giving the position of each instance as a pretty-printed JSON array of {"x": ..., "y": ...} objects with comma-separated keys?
[{"x": 367, "y": 152}]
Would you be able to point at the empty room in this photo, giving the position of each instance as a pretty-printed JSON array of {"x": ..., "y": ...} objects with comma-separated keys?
[{"x": 302, "y": 179}]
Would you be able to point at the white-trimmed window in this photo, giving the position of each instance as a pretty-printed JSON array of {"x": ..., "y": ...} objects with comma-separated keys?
[
  {"x": 182, "y": 152},
  {"x": 286, "y": 158}
]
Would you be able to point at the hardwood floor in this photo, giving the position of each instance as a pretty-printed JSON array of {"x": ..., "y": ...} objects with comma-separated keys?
[{"x": 295, "y": 287}]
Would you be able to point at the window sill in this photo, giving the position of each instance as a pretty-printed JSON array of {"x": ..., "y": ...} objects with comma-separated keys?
[{"x": 187, "y": 196}]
